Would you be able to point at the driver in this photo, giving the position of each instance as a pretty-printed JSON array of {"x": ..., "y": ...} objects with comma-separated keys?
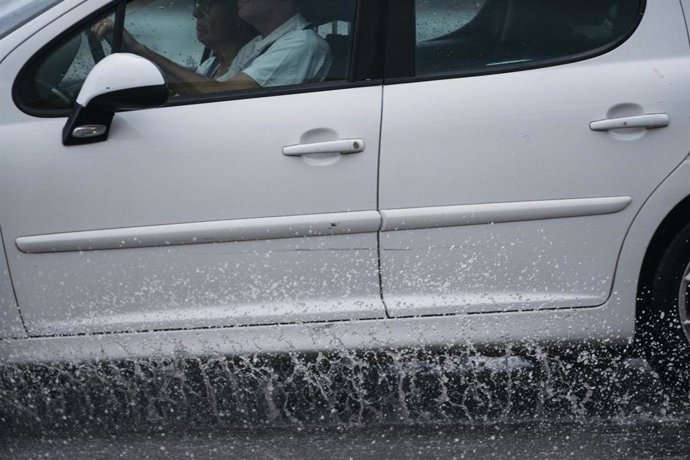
[
  {"x": 218, "y": 28},
  {"x": 285, "y": 52}
]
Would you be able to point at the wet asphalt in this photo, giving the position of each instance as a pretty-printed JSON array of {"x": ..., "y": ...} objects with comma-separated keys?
[
  {"x": 396, "y": 404},
  {"x": 595, "y": 439}
]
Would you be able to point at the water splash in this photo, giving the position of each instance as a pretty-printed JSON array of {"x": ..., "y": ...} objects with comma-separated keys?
[{"x": 402, "y": 386}]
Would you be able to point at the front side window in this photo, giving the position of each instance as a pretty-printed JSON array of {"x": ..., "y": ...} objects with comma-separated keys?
[
  {"x": 202, "y": 47},
  {"x": 53, "y": 81},
  {"x": 481, "y": 35}
]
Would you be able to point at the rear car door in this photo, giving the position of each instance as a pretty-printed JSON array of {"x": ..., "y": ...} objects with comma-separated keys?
[
  {"x": 189, "y": 215},
  {"x": 520, "y": 138}
]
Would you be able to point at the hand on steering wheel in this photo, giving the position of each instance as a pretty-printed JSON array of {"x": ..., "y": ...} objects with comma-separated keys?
[
  {"x": 95, "y": 45},
  {"x": 104, "y": 29},
  {"x": 54, "y": 91}
]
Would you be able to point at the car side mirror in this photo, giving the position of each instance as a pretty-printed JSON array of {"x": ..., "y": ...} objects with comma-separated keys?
[{"x": 119, "y": 82}]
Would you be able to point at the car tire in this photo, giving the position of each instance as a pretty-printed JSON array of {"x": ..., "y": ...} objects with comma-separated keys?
[{"x": 664, "y": 314}]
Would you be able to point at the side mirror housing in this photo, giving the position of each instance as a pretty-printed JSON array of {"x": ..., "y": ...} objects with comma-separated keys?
[{"x": 119, "y": 82}]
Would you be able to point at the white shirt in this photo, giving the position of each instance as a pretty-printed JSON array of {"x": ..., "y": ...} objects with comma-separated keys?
[
  {"x": 290, "y": 55},
  {"x": 207, "y": 67}
]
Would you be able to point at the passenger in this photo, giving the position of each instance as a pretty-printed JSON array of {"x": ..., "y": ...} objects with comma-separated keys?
[
  {"x": 286, "y": 51},
  {"x": 218, "y": 28}
]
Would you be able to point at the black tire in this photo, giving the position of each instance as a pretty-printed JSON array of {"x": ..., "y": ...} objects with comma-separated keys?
[{"x": 663, "y": 314}]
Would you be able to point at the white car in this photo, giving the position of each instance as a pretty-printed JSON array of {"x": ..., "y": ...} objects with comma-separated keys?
[{"x": 470, "y": 171}]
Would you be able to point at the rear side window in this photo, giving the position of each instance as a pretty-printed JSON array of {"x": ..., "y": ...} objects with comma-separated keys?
[{"x": 482, "y": 35}]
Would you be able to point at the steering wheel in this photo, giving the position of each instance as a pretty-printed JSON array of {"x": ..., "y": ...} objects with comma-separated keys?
[
  {"x": 54, "y": 91},
  {"x": 95, "y": 46}
]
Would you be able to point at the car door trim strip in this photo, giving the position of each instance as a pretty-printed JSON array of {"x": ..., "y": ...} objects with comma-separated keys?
[
  {"x": 268, "y": 228},
  {"x": 477, "y": 214},
  {"x": 225, "y": 231}
]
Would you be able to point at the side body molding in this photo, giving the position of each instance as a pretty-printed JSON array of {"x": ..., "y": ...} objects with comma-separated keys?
[
  {"x": 477, "y": 214},
  {"x": 318, "y": 225},
  {"x": 205, "y": 232}
]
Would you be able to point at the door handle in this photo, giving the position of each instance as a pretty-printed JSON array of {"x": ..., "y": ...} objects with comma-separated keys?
[
  {"x": 649, "y": 121},
  {"x": 339, "y": 146}
]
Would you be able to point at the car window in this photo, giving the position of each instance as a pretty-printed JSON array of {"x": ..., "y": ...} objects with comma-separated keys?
[
  {"x": 434, "y": 21},
  {"x": 478, "y": 35},
  {"x": 53, "y": 81},
  {"x": 201, "y": 47}
]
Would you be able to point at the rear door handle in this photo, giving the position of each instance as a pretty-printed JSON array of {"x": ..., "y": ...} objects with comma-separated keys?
[
  {"x": 340, "y": 146},
  {"x": 649, "y": 121}
]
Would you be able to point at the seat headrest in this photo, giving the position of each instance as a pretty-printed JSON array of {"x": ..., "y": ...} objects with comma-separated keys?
[{"x": 324, "y": 11}]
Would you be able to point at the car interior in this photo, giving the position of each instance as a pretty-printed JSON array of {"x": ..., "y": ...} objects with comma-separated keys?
[
  {"x": 511, "y": 31},
  {"x": 334, "y": 20}
]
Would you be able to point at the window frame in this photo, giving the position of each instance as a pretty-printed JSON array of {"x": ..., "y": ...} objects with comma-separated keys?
[
  {"x": 366, "y": 60},
  {"x": 400, "y": 63}
]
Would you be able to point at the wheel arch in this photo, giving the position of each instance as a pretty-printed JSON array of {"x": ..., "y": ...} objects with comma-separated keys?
[
  {"x": 672, "y": 224},
  {"x": 659, "y": 334},
  {"x": 660, "y": 219},
  {"x": 656, "y": 220}
]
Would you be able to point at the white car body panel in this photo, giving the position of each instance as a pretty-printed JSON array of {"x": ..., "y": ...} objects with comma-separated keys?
[
  {"x": 192, "y": 164},
  {"x": 166, "y": 183},
  {"x": 525, "y": 136},
  {"x": 63, "y": 211},
  {"x": 10, "y": 321},
  {"x": 685, "y": 4},
  {"x": 611, "y": 324},
  {"x": 17, "y": 36}
]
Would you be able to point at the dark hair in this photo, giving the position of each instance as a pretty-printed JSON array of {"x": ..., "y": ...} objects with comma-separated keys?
[
  {"x": 241, "y": 30},
  {"x": 237, "y": 28}
]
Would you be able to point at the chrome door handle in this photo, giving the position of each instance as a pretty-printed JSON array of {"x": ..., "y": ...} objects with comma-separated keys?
[
  {"x": 649, "y": 121},
  {"x": 340, "y": 146}
]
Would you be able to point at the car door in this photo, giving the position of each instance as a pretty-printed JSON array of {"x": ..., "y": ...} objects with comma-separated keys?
[
  {"x": 516, "y": 154},
  {"x": 189, "y": 215}
]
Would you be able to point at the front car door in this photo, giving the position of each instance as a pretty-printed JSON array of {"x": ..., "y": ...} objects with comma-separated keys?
[
  {"x": 517, "y": 152},
  {"x": 189, "y": 215}
]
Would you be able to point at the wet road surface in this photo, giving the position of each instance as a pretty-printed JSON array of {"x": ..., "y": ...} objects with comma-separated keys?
[
  {"x": 632, "y": 438},
  {"x": 395, "y": 404}
]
